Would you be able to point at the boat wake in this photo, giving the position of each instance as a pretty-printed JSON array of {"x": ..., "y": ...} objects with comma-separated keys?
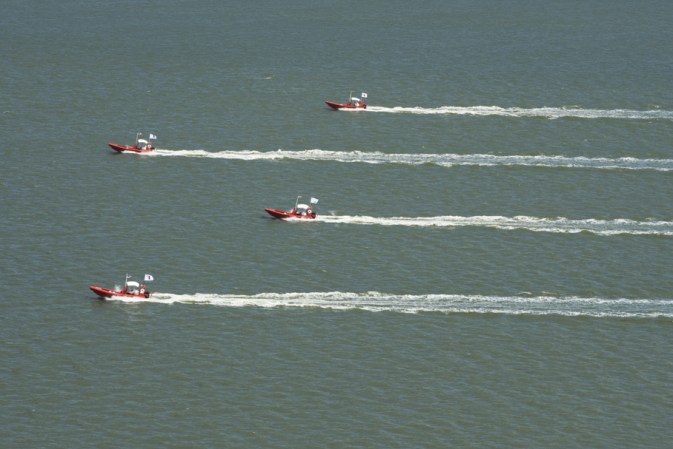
[
  {"x": 442, "y": 159},
  {"x": 550, "y": 113},
  {"x": 433, "y": 303},
  {"x": 554, "y": 225}
]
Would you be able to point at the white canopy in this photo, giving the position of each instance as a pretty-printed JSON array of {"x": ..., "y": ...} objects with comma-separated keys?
[{"x": 132, "y": 285}]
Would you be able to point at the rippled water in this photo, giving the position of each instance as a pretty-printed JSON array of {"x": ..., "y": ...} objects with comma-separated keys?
[{"x": 490, "y": 263}]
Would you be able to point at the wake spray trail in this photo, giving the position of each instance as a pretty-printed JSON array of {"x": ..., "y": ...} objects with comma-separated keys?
[
  {"x": 554, "y": 225},
  {"x": 439, "y": 303},
  {"x": 441, "y": 159},
  {"x": 545, "y": 112}
]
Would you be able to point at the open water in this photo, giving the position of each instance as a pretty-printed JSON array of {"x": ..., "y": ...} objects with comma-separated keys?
[{"x": 491, "y": 266}]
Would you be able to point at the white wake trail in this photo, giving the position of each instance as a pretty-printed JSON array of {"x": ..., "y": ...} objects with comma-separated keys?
[
  {"x": 535, "y": 224},
  {"x": 441, "y": 303},
  {"x": 440, "y": 159},
  {"x": 544, "y": 112}
]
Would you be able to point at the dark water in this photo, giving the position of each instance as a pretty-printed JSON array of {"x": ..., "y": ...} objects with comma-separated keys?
[{"x": 490, "y": 263}]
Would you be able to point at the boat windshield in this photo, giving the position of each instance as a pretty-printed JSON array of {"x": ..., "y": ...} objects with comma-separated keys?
[
  {"x": 132, "y": 286},
  {"x": 302, "y": 208}
]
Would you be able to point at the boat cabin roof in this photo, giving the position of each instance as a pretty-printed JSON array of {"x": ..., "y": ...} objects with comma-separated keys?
[{"x": 132, "y": 284}]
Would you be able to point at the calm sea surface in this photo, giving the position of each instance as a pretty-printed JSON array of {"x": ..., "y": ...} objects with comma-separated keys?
[{"x": 491, "y": 263}]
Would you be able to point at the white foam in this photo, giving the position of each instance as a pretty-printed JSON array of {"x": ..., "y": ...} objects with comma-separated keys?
[
  {"x": 535, "y": 224},
  {"x": 544, "y": 112},
  {"x": 440, "y": 159},
  {"x": 441, "y": 303}
]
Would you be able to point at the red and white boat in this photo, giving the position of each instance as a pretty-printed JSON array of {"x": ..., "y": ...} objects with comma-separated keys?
[
  {"x": 132, "y": 289},
  {"x": 302, "y": 211},
  {"x": 353, "y": 103},
  {"x": 141, "y": 145}
]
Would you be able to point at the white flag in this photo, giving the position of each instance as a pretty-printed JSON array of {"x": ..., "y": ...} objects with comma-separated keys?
[
  {"x": 364, "y": 95},
  {"x": 149, "y": 277},
  {"x": 152, "y": 136},
  {"x": 314, "y": 200}
]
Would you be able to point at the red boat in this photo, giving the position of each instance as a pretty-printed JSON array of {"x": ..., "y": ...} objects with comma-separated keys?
[
  {"x": 353, "y": 103},
  {"x": 141, "y": 145},
  {"x": 303, "y": 211},
  {"x": 132, "y": 289}
]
